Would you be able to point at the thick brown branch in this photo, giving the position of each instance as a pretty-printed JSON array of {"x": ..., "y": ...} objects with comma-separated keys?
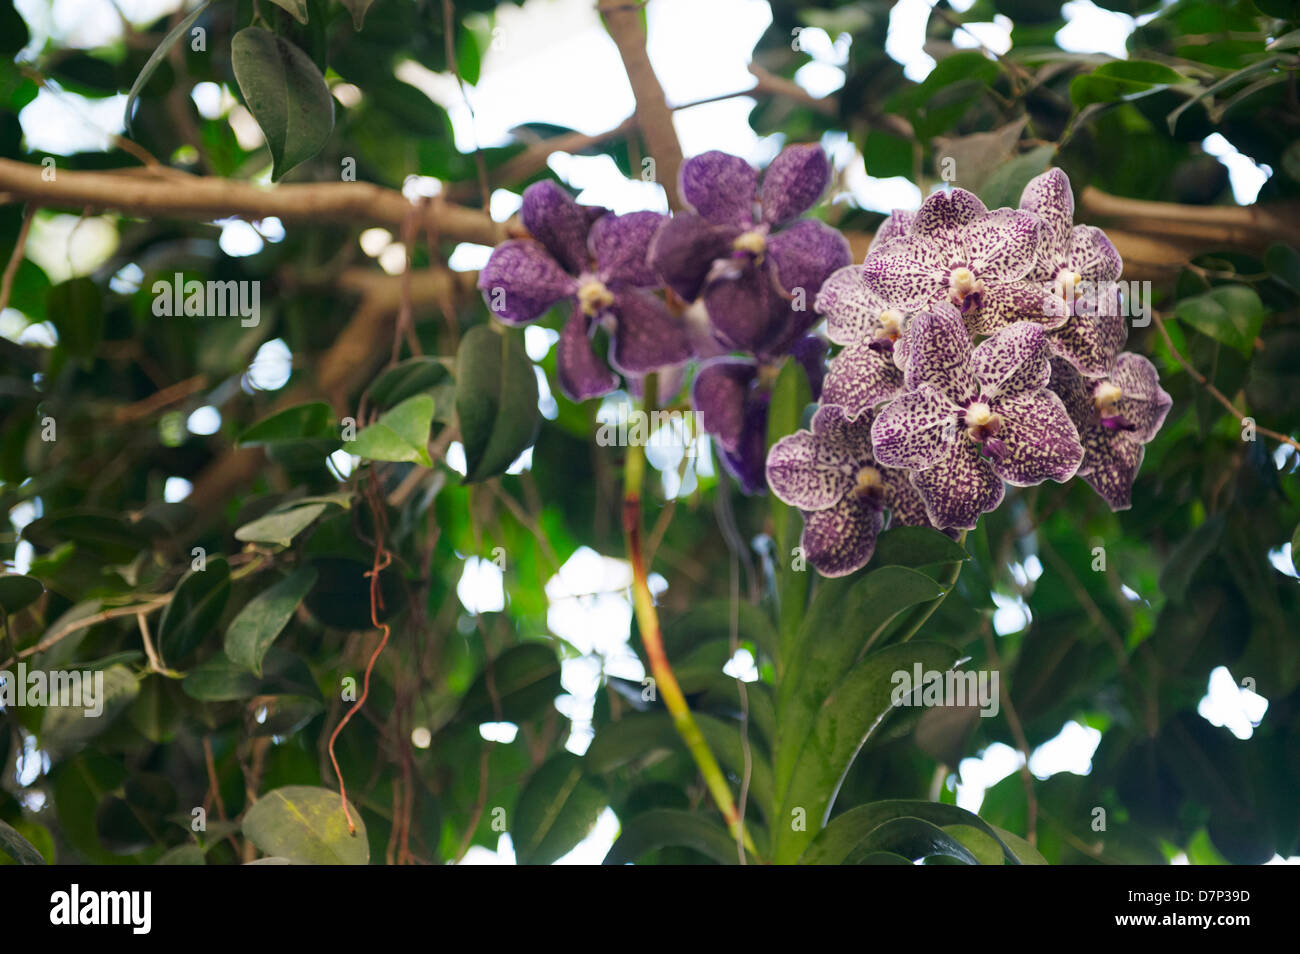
[
  {"x": 203, "y": 197},
  {"x": 1253, "y": 226},
  {"x": 652, "y": 113}
]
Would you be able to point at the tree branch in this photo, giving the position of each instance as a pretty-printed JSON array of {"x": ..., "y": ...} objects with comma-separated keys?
[
  {"x": 204, "y": 197},
  {"x": 653, "y": 116}
]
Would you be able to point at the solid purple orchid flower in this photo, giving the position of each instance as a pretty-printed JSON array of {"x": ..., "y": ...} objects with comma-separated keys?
[
  {"x": 831, "y": 474},
  {"x": 596, "y": 260},
  {"x": 958, "y": 252},
  {"x": 1079, "y": 265},
  {"x": 742, "y": 253},
  {"x": 733, "y": 396},
  {"x": 971, "y": 418},
  {"x": 1116, "y": 416}
]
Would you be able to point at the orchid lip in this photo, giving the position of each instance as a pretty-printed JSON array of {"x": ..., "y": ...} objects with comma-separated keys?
[
  {"x": 753, "y": 243},
  {"x": 593, "y": 296},
  {"x": 868, "y": 482}
]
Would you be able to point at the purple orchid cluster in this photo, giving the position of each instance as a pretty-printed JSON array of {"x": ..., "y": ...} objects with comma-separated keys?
[
  {"x": 923, "y": 423},
  {"x": 729, "y": 282}
]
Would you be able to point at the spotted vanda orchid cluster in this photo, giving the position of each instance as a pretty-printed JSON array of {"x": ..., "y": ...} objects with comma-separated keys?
[
  {"x": 923, "y": 423},
  {"x": 729, "y": 281}
]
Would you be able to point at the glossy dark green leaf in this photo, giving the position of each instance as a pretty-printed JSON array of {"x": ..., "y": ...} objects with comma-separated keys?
[
  {"x": 66, "y": 728},
  {"x": 496, "y": 401},
  {"x": 286, "y": 94},
  {"x": 848, "y": 830},
  {"x": 17, "y": 847},
  {"x": 157, "y": 56},
  {"x": 407, "y": 379},
  {"x": 843, "y": 722},
  {"x": 306, "y": 825},
  {"x": 916, "y": 547},
  {"x": 105, "y": 535},
  {"x": 305, "y": 422},
  {"x": 1283, "y": 263},
  {"x": 666, "y": 827},
  {"x": 1122, "y": 80},
  {"x": 556, "y": 810},
  {"x": 401, "y": 434},
  {"x": 221, "y": 679},
  {"x": 252, "y": 632},
  {"x": 194, "y": 610},
  {"x": 17, "y": 592},
  {"x": 1232, "y": 314},
  {"x": 912, "y": 838}
]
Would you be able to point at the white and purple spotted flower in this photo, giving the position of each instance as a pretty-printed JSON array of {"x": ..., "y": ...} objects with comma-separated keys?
[
  {"x": 832, "y": 476},
  {"x": 864, "y": 374},
  {"x": 970, "y": 419},
  {"x": 957, "y": 251},
  {"x": 741, "y": 250},
  {"x": 1078, "y": 265},
  {"x": 597, "y": 261},
  {"x": 1116, "y": 416}
]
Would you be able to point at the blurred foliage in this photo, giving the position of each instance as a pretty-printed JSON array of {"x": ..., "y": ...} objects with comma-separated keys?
[{"x": 269, "y": 620}]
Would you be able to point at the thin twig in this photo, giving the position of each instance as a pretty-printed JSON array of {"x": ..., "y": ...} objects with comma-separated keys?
[{"x": 1214, "y": 392}]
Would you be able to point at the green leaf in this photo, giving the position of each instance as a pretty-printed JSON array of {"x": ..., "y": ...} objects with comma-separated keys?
[
  {"x": 791, "y": 395},
  {"x": 286, "y": 94},
  {"x": 1177, "y": 574},
  {"x": 1123, "y": 80},
  {"x": 76, "y": 308},
  {"x": 105, "y": 535},
  {"x": 17, "y": 592},
  {"x": 1019, "y": 849},
  {"x": 358, "y": 10},
  {"x": 221, "y": 679},
  {"x": 1295, "y": 548},
  {"x": 831, "y": 637},
  {"x": 711, "y": 619},
  {"x": 642, "y": 734},
  {"x": 194, "y": 610},
  {"x": 401, "y": 434},
  {"x": 848, "y": 830},
  {"x": 182, "y": 855},
  {"x": 298, "y": 8},
  {"x": 667, "y": 827},
  {"x": 983, "y": 846},
  {"x": 280, "y": 526},
  {"x": 305, "y": 422},
  {"x": 844, "y": 720},
  {"x": 556, "y": 810},
  {"x": 496, "y": 401},
  {"x": 1283, "y": 262},
  {"x": 157, "y": 56},
  {"x": 526, "y": 679},
  {"x": 252, "y": 632},
  {"x": 407, "y": 379},
  {"x": 911, "y": 838},
  {"x": 1003, "y": 186},
  {"x": 1232, "y": 314},
  {"x": 306, "y": 824},
  {"x": 17, "y": 847},
  {"x": 65, "y": 729},
  {"x": 917, "y": 547}
]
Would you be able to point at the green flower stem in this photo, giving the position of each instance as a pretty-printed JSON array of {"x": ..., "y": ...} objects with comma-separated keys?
[{"x": 647, "y": 618}]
